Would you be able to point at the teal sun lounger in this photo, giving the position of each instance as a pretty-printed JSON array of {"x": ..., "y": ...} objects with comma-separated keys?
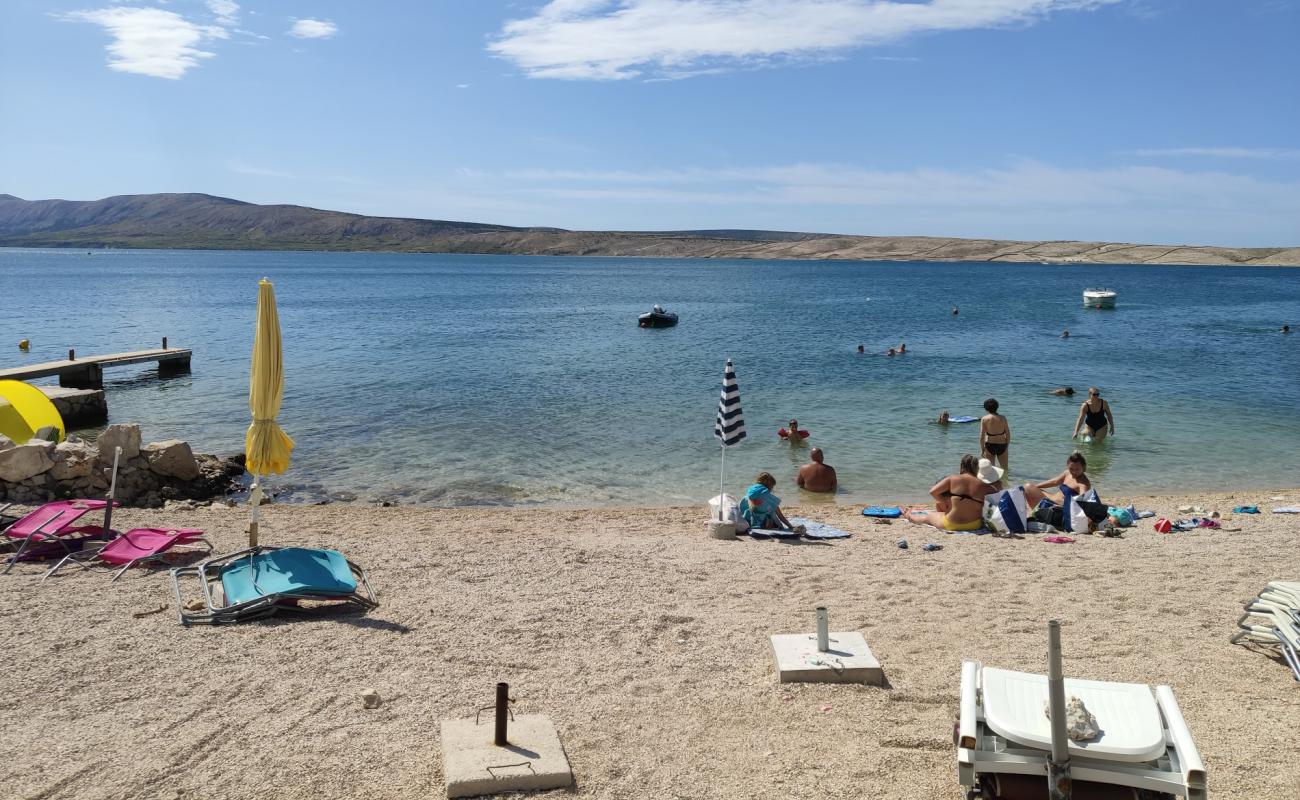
[{"x": 261, "y": 581}]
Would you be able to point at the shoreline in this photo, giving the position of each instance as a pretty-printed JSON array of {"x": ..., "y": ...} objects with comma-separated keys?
[{"x": 631, "y": 628}]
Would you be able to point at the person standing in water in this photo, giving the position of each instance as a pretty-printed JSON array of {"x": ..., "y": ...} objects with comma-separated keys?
[
  {"x": 816, "y": 476},
  {"x": 1094, "y": 417},
  {"x": 995, "y": 434}
]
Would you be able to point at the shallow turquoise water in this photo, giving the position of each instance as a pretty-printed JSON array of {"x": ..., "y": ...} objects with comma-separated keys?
[{"x": 453, "y": 380}]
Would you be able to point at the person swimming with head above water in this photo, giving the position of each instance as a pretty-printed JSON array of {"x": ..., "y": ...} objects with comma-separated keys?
[
  {"x": 1063, "y": 391},
  {"x": 959, "y": 499},
  {"x": 943, "y": 419}
]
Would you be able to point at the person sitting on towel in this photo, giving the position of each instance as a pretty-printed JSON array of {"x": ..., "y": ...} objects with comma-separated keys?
[
  {"x": 761, "y": 508},
  {"x": 1076, "y": 480},
  {"x": 816, "y": 476},
  {"x": 960, "y": 498}
]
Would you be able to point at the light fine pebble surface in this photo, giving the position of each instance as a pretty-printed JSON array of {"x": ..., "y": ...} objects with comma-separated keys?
[{"x": 643, "y": 639}]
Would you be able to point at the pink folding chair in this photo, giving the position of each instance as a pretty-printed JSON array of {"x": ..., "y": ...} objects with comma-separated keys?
[
  {"x": 48, "y": 531},
  {"x": 137, "y": 546}
]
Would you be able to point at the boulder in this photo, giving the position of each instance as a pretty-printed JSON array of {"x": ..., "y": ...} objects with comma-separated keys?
[
  {"x": 24, "y": 461},
  {"x": 6, "y": 443},
  {"x": 126, "y": 437},
  {"x": 172, "y": 458},
  {"x": 72, "y": 460}
]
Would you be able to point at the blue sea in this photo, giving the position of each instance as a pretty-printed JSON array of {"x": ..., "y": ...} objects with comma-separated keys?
[{"x": 502, "y": 380}]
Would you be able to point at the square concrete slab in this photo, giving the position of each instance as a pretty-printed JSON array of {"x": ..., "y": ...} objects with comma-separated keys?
[
  {"x": 534, "y": 758},
  {"x": 848, "y": 660}
]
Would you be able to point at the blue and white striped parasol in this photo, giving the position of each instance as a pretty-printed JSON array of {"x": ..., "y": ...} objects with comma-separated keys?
[{"x": 729, "y": 426}]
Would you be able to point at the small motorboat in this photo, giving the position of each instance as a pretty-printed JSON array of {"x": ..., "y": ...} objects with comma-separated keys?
[
  {"x": 1099, "y": 298},
  {"x": 657, "y": 318}
]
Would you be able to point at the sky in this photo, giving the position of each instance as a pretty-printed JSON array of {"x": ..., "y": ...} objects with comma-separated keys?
[{"x": 1161, "y": 121}]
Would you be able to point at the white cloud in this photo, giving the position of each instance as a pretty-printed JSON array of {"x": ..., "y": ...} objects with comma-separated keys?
[
  {"x": 619, "y": 39},
  {"x": 462, "y": 86},
  {"x": 226, "y": 11},
  {"x": 1221, "y": 152},
  {"x": 150, "y": 41},
  {"x": 313, "y": 29}
]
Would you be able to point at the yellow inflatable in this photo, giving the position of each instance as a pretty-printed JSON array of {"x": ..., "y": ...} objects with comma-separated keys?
[{"x": 25, "y": 410}]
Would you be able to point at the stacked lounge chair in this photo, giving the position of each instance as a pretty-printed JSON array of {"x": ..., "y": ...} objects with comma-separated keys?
[
  {"x": 1273, "y": 618},
  {"x": 48, "y": 531},
  {"x": 1004, "y": 739},
  {"x": 260, "y": 581}
]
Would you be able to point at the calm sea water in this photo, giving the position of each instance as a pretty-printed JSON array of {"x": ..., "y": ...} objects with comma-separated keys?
[{"x": 452, "y": 380}]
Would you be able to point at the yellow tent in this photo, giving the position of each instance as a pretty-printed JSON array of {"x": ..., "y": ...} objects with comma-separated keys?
[
  {"x": 25, "y": 410},
  {"x": 266, "y": 447}
]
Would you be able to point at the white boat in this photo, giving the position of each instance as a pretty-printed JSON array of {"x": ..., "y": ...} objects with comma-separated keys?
[{"x": 1099, "y": 298}]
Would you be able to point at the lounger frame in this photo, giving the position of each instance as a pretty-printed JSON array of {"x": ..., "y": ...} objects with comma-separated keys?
[
  {"x": 208, "y": 574},
  {"x": 980, "y": 751},
  {"x": 1273, "y": 618},
  {"x": 87, "y": 559}
]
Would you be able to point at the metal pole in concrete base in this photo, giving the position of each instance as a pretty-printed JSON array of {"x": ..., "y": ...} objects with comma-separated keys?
[
  {"x": 1058, "y": 768},
  {"x": 823, "y": 630},
  {"x": 503, "y": 711}
]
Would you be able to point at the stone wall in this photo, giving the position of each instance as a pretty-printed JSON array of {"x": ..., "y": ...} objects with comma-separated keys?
[
  {"x": 147, "y": 475},
  {"x": 78, "y": 407}
]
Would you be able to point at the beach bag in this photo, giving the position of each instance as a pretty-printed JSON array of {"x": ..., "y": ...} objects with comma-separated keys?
[
  {"x": 1004, "y": 511},
  {"x": 730, "y": 510},
  {"x": 1079, "y": 512}
]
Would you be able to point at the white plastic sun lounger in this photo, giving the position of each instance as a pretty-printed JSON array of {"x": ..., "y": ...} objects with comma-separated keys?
[
  {"x": 1003, "y": 732},
  {"x": 1270, "y": 622}
]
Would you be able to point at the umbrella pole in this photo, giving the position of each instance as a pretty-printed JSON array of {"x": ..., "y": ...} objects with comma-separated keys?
[
  {"x": 721, "y": 482},
  {"x": 255, "y": 498},
  {"x": 112, "y": 491}
]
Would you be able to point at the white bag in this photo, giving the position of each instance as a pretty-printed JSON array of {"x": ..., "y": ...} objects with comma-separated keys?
[{"x": 730, "y": 509}]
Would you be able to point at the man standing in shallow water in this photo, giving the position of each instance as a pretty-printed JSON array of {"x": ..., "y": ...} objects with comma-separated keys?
[{"x": 816, "y": 476}]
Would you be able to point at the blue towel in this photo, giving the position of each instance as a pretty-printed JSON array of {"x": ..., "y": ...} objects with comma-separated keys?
[
  {"x": 289, "y": 570},
  {"x": 891, "y": 512},
  {"x": 1246, "y": 510},
  {"x": 772, "y": 533},
  {"x": 819, "y": 530}
]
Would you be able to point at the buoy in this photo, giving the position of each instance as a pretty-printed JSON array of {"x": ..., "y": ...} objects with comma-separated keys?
[{"x": 24, "y": 345}]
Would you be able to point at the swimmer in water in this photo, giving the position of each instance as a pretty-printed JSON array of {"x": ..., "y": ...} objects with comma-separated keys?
[
  {"x": 1063, "y": 391},
  {"x": 954, "y": 311},
  {"x": 942, "y": 420},
  {"x": 1065, "y": 334},
  {"x": 862, "y": 349},
  {"x": 1286, "y": 328},
  {"x": 890, "y": 352},
  {"x": 902, "y": 348}
]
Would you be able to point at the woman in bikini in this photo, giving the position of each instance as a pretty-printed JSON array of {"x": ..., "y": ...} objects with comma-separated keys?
[
  {"x": 995, "y": 434},
  {"x": 960, "y": 498},
  {"x": 1094, "y": 417},
  {"x": 1076, "y": 480}
]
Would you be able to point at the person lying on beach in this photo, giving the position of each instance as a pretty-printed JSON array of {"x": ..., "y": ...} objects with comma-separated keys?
[
  {"x": 1076, "y": 480},
  {"x": 959, "y": 499},
  {"x": 816, "y": 476},
  {"x": 761, "y": 508}
]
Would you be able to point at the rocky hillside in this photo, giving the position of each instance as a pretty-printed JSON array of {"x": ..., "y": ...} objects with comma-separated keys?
[{"x": 192, "y": 221}]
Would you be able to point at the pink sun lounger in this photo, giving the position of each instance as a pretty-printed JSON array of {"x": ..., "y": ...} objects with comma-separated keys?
[
  {"x": 137, "y": 546},
  {"x": 48, "y": 531}
]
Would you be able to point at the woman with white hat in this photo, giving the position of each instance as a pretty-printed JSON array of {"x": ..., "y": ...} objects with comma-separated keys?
[{"x": 960, "y": 498}]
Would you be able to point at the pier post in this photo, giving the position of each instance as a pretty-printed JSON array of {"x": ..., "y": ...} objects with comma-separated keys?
[{"x": 91, "y": 376}]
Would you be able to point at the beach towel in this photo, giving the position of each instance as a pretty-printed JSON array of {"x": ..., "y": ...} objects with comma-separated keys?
[
  {"x": 773, "y": 533},
  {"x": 1246, "y": 510},
  {"x": 890, "y": 512},
  {"x": 819, "y": 530},
  {"x": 1287, "y": 510},
  {"x": 1058, "y": 539}
]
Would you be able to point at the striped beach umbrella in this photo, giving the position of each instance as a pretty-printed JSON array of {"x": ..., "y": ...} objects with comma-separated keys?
[{"x": 730, "y": 424}]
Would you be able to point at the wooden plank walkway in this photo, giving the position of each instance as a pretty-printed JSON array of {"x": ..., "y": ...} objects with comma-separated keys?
[{"x": 87, "y": 372}]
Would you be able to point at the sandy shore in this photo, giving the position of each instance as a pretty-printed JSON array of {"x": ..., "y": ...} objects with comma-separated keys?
[{"x": 644, "y": 640}]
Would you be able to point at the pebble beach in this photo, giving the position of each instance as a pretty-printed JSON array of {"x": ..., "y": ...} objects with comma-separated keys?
[{"x": 642, "y": 639}]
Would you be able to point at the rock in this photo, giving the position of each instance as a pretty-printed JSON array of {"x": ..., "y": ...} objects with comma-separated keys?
[
  {"x": 24, "y": 461},
  {"x": 126, "y": 437},
  {"x": 6, "y": 443},
  {"x": 172, "y": 458},
  {"x": 194, "y": 605},
  {"x": 1080, "y": 724},
  {"x": 179, "y": 505},
  {"x": 72, "y": 460},
  {"x": 371, "y": 699}
]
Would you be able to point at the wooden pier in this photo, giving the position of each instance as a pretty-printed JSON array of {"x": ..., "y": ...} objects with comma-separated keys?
[{"x": 87, "y": 372}]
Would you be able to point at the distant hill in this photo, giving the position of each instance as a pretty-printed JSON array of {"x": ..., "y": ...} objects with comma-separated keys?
[{"x": 200, "y": 221}]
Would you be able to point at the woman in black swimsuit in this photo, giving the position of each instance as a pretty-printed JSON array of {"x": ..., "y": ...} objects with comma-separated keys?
[
  {"x": 1094, "y": 417},
  {"x": 995, "y": 434}
]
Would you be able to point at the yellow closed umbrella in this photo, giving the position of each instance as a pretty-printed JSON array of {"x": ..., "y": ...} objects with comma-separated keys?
[
  {"x": 266, "y": 447},
  {"x": 26, "y": 411}
]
